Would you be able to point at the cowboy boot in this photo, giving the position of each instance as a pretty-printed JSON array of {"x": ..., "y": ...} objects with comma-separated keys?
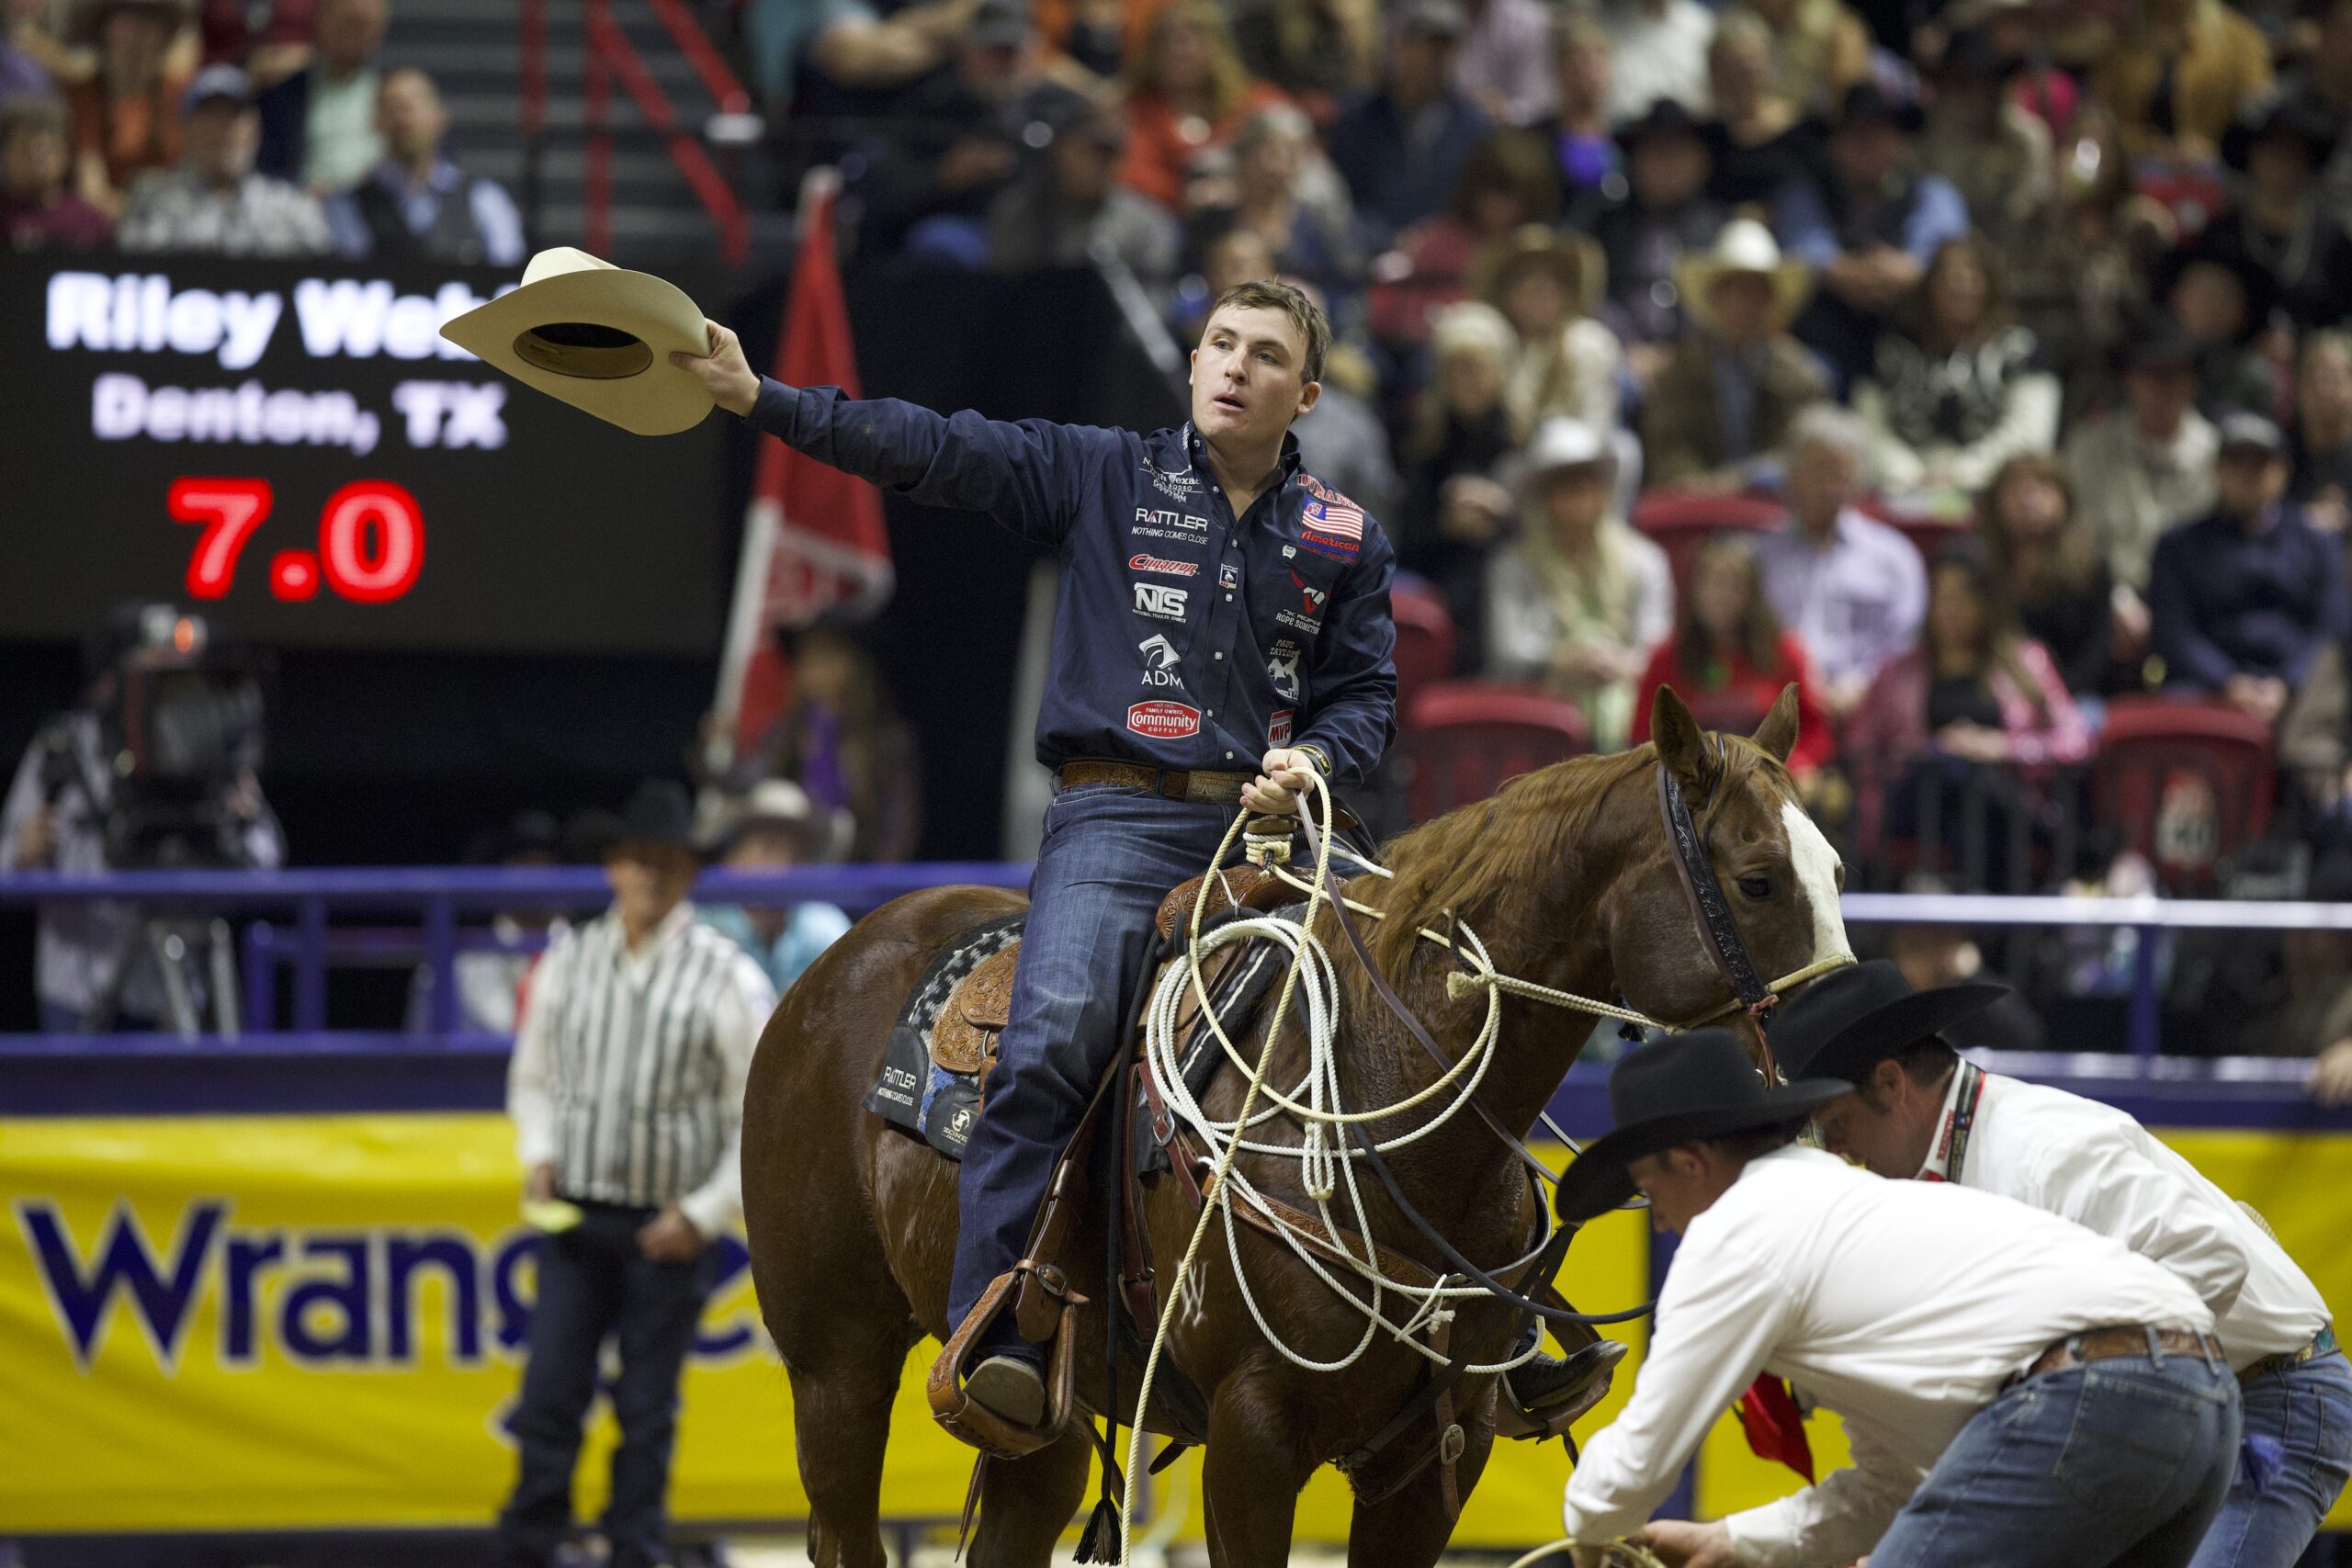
[
  {"x": 1010, "y": 1387},
  {"x": 1549, "y": 1379}
]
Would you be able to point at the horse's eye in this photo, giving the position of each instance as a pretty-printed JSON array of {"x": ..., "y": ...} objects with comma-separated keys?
[{"x": 1756, "y": 887}]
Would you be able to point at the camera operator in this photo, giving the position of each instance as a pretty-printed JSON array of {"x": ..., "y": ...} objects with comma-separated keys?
[{"x": 154, "y": 768}]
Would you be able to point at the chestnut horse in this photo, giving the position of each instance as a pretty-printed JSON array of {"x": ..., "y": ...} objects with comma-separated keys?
[{"x": 1566, "y": 875}]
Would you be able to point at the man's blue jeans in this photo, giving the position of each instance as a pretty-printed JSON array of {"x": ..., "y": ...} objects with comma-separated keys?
[
  {"x": 2121, "y": 1461},
  {"x": 2268, "y": 1522},
  {"x": 1110, "y": 854}
]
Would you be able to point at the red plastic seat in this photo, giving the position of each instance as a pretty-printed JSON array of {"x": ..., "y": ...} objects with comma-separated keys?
[
  {"x": 1680, "y": 521},
  {"x": 1464, "y": 738},
  {"x": 2189, "y": 783},
  {"x": 1927, "y": 534},
  {"x": 1426, "y": 639}
]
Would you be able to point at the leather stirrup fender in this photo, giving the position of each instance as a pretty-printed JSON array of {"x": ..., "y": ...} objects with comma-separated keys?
[{"x": 966, "y": 1418}]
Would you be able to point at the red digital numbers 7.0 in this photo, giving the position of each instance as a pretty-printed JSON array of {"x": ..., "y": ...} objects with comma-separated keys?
[{"x": 370, "y": 549}]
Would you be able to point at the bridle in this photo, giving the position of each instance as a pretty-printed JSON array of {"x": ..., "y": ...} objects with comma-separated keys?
[{"x": 1753, "y": 997}]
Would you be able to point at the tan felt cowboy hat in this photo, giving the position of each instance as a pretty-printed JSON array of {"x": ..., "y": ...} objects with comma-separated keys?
[
  {"x": 1744, "y": 245},
  {"x": 1573, "y": 258},
  {"x": 597, "y": 336}
]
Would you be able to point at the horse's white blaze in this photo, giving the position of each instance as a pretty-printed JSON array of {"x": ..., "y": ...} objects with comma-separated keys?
[{"x": 1816, "y": 869}]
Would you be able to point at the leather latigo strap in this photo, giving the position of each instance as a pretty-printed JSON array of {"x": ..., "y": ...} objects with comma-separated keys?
[
  {"x": 1173, "y": 783},
  {"x": 2119, "y": 1342}
]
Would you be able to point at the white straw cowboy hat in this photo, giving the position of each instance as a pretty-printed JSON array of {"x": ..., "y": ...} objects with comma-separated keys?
[
  {"x": 1743, "y": 247},
  {"x": 597, "y": 336}
]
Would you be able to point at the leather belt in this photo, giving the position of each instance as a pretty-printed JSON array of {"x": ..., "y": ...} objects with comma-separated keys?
[
  {"x": 2323, "y": 1344},
  {"x": 1172, "y": 783},
  {"x": 2117, "y": 1343}
]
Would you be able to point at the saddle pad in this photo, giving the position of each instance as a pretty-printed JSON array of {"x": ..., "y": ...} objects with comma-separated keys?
[{"x": 912, "y": 1093}]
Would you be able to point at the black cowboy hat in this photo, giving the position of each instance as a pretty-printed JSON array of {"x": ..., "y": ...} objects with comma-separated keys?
[
  {"x": 1674, "y": 1090},
  {"x": 1867, "y": 103},
  {"x": 1844, "y": 1024},
  {"x": 2282, "y": 117},
  {"x": 2155, "y": 343},
  {"x": 2220, "y": 247},
  {"x": 659, "y": 813},
  {"x": 1664, "y": 117}
]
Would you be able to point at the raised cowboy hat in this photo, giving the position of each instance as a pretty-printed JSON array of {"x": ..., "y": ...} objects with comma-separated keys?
[
  {"x": 1743, "y": 245},
  {"x": 597, "y": 336},
  {"x": 1844, "y": 1024},
  {"x": 1677, "y": 1090}
]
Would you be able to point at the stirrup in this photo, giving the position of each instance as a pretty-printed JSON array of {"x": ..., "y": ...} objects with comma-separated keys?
[
  {"x": 1042, "y": 1288},
  {"x": 1513, "y": 1419}
]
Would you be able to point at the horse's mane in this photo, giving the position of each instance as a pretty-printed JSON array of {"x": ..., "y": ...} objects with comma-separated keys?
[{"x": 1463, "y": 860}]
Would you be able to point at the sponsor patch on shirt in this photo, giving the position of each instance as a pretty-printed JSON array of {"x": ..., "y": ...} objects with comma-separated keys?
[
  {"x": 1228, "y": 575},
  {"x": 1278, "y": 728},
  {"x": 1159, "y": 661},
  {"x": 1162, "y": 603},
  {"x": 1332, "y": 525},
  {"x": 1164, "y": 567},
  {"x": 1161, "y": 523},
  {"x": 1164, "y": 720}
]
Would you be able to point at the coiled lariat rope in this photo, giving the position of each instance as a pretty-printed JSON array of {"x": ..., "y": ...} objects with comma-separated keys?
[
  {"x": 1327, "y": 1159},
  {"x": 1620, "y": 1553}
]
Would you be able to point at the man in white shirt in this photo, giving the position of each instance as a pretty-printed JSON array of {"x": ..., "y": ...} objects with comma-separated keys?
[
  {"x": 1853, "y": 590},
  {"x": 1919, "y": 1109},
  {"x": 2019, "y": 1391},
  {"x": 626, "y": 1091}
]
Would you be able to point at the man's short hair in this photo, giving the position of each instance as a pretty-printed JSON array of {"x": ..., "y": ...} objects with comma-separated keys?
[
  {"x": 1927, "y": 1063},
  {"x": 1756, "y": 1143},
  {"x": 1267, "y": 294},
  {"x": 1826, "y": 425}
]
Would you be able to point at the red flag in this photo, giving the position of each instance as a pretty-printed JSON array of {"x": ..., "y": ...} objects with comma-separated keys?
[
  {"x": 1775, "y": 1427},
  {"x": 813, "y": 538}
]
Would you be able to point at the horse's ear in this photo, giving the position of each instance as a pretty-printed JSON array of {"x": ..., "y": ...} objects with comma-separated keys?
[
  {"x": 1777, "y": 733},
  {"x": 1680, "y": 745}
]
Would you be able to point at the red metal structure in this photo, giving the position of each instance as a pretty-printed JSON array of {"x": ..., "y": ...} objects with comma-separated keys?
[
  {"x": 1680, "y": 521},
  {"x": 2188, "y": 783}
]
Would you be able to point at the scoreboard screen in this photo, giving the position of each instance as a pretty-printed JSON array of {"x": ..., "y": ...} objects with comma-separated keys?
[{"x": 292, "y": 448}]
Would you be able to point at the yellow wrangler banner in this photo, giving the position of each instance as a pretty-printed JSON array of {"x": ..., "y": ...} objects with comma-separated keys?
[{"x": 271, "y": 1322}]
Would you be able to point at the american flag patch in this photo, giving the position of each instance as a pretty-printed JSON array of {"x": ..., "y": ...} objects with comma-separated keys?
[{"x": 1329, "y": 512}]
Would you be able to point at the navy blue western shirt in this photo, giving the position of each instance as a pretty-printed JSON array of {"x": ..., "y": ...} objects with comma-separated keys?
[
  {"x": 2224, "y": 602},
  {"x": 1185, "y": 637}
]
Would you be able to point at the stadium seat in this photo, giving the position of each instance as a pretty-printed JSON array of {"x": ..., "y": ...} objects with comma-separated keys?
[
  {"x": 1425, "y": 638},
  {"x": 1926, "y": 534},
  {"x": 1680, "y": 521},
  {"x": 2188, "y": 784},
  {"x": 1463, "y": 738}
]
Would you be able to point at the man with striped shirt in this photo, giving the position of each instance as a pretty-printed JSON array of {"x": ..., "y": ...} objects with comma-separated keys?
[{"x": 626, "y": 1090}]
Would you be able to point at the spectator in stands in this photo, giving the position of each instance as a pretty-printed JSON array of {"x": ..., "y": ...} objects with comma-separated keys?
[
  {"x": 1660, "y": 52},
  {"x": 626, "y": 1093},
  {"x": 1504, "y": 63},
  {"x": 1547, "y": 283},
  {"x": 959, "y": 137},
  {"x": 774, "y": 829},
  {"x": 2047, "y": 565},
  {"x": 2145, "y": 468},
  {"x": 2323, "y": 446},
  {"x": 2222, "y": 300},
  {"x": 848, "y": 58},
  {"x": 489, "y": 980},
  {"x": 23, "y": 73},
  {"x": 1869, "y": 225},
  {"x": 269, "y": 42},
  {"x": 1506, "y": 184},
  {"x": 1957, "y": 387},
  {"x": 36, "y": 209},
  {"x": 418, "y": 205},
  {"x": 1071, "y": 210},
  {"x": 1994, "y": 150},
  {"x": 1577, "y": 601},
  {"x": 1851, "y": 589},
  {"x": 1456, "y": 511},
  {"x": 1402, "y": 149},
  {"x": 2278, "y": 219},
  {"x": 1665, "y": 212},
  {"x": 1578, "y": 134},
  {"x": 1975, "y": 693},
  {"x": 2178, "y": 72},
  {"x": 1932, "y": 956},
  {"x": 1820, "y": 49},
  {"x": 1762, "y": 141},
  {"x": 843, "y": 742},
  {"x": 1275, "y": 195},
  {"x": 1188, "y": 94},
  {"x": 1341, "y": 440},
  {"x": 1320, "y": 53},
  {"x": 2244, "y": 599},
  {"x": 1234, "y": 257},
  {"x": 318, "y": 125},
  {"x": 1729, "y": 660},
  {"x": 2320, "y": 87},
  {"x": 214, "y": 201},
  {"x": 126, "y": 114},
  {"x": 1724, "y": 402}
]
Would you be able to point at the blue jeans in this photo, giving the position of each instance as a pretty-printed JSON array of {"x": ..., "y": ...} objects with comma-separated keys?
[
  {"x": 1110, "y": 856},
  {"x": 594, "y": 1282},
  {"x": 2307, "y": 1410},
  {"x": 2122, "y": 1461}
]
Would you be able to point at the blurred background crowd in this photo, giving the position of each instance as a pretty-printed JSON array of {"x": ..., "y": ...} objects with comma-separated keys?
[{"x": 1981, "y": 366}]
